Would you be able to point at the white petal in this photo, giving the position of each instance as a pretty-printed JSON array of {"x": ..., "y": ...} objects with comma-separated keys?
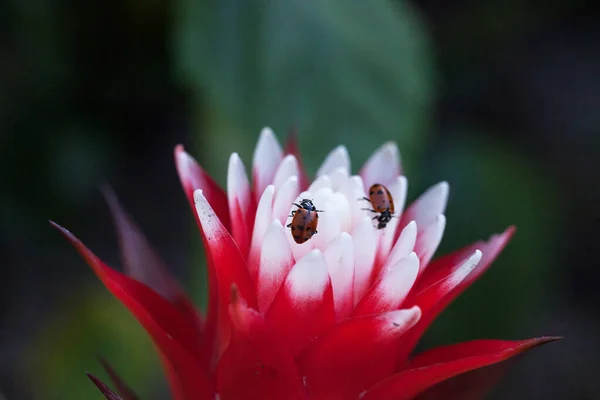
[
  {"x": 276, "y": 260},
  {"x": 383, "y": 166},
  {"x": 354, "y": 191},
  {"x": 284, "y": 197},
  {"x": 238, "y": 186},
  {"x": 337, "y": 158},
  {"x": 320, "y": 183},
  {"x": 398, "y": 192},
  {"x": 399, "y": 321},
  {"x": 264, "y": 216},
  {"x": 389, "y": 292},
  {"x": 338, "y": 177},
  {"x": 212, "y": 227},
  {"x": 429, "y": 205},
  {"x": 308, "y": 278},
  {"x": 429, "y": 239},
  {"x": 462, "y": 272},
  {"x": 404, "y": 245},
  {"x": 365, "y": 240},
  {"x": 287, "y": 169},
  {"x": 267, "y": 156},
  {"x": 329, "y": 226},
  {"x": 339, "y": 257}
]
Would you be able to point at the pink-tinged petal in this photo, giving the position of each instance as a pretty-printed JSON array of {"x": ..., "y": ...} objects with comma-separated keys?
[
  {"x": 287, "y": 169},
  {"x": 337, "y": 158},
  {"x": 404, "y": 245},
  {"x": 103, "y": 387},
  {"x": 267, "y": 157},
  {"x": 429, "y": 239},
  {"x": 339, "y": 257},
  {"x": 365, "y": 236},
  {"x": 141, "y": 262},
  {"x": 173, "y": 334},
  {"x": 122, "y": 388},
  {"x": 193, "y": 177},
  {"x": 398, "y": 191},
  {"x": 383, "y": 166},
  {"x": 427, "y": 207},
  {"x": 284, "y": 197},
  {"x": 433, "y": 294},
  {"x": 276, "y": 260},
  {"x": 223, "y": 252},
  {"x": 391, "y": 289},
  {"x": 442, "y": 363},
  {"x": 264, "y": 216},
  {"x": 303, "y": 308},
  {"x": 354, "y": 355},
  {"x": 256, "y": 365},
  {"x": 241, "y": 203},
  {"x": 291, "y": 147}
]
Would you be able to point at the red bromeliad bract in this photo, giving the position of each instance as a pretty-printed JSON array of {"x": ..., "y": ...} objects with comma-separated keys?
[{"x": 336, "y": 317}]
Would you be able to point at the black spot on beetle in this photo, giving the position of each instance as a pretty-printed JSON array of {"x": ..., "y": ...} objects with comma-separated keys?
[
  {"x": 380, "y": 191},
  {"x": 300, "y": 227}
]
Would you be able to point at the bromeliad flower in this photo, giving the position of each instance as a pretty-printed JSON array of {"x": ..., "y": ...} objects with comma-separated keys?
[{"x": 332, "y": 314}]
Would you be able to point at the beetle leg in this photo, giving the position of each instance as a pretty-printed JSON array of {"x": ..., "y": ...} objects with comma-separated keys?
[
  {"x": 288, "y": 225},
  {"x": 368, "y": 209}
]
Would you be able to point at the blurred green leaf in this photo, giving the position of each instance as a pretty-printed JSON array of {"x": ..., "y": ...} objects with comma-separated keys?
[
  {"x": 339, "y": 71},
  {"x": 91, "y": 324},
  {"x": 494, "y": 185}
]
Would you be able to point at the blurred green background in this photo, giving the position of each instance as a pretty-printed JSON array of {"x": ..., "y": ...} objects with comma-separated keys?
[{"x": 500, "y": 99}]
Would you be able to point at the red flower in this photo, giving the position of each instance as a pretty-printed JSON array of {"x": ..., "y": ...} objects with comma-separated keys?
[{"x": 335, "y": 317}]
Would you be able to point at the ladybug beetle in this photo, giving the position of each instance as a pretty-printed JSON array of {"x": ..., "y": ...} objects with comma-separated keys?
[
  {"x": 382, "y": 202},
  {"x": 305, "y": 221}
]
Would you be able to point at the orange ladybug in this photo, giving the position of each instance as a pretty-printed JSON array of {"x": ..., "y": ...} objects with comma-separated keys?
[
  {"x": 382, "y": 202},
  {"x": 305, "y": 221}
]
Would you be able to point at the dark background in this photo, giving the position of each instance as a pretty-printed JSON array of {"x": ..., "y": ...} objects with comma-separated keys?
[{"x": 499, "y": 98}]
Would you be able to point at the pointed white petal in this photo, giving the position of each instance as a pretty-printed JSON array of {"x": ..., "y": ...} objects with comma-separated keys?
[
  {"x": 264, "y": 216},
  {"x": 354, "y": 191},
  {"x": 338, "y": 177},
  {"x": 320, "y": 183},
  {"x": 339, "y": 257},
  {"x": 276, "y": 260},
  {"x": 404, "y": 245},
  {"x": 337, "y": 158},
  {"x": 308, "y": 279},
  {"x": 399, "y": 321},
  {"x": 383, "y": 166},
  {"x": 391, "y": 289},
  {"x": 267, "y": 156},
  {"x": 365, "y": 239},
  {"x": 287, "y": 169},
  {"x": 284, "y": 197},
  {"x": 429, "y": 205},
  {"x": 238, "y": 196},
  {"x": 429, "y": 239},
  {"x": 463, "y": 271}
]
